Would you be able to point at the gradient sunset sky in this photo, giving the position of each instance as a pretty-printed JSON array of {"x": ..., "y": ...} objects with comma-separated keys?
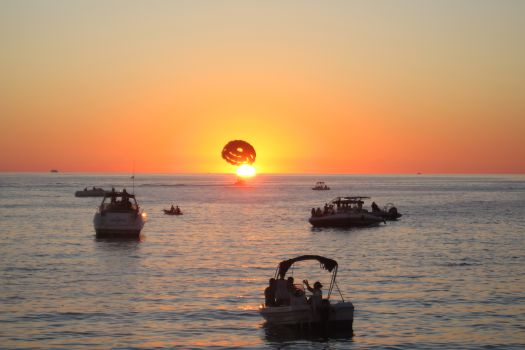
[{"x": 315, "y": 86}]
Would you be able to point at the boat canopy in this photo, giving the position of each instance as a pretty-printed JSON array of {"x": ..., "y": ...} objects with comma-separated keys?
[
  {"x": 326, "y": 263},
  {"x": 348, "y": 200}
]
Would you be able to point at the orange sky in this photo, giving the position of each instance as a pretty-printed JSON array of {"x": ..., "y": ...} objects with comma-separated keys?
[{"x": 316, "y": 87}]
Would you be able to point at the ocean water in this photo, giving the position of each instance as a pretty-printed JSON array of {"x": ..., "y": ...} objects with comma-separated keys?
[{"x": 449, "y": 274}]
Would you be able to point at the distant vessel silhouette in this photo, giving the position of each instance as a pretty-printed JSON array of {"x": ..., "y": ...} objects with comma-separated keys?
[{"x": 53, "y": 171}]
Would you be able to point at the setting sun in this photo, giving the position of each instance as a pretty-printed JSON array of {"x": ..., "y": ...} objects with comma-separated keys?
[{"x": 246, "y": 170}]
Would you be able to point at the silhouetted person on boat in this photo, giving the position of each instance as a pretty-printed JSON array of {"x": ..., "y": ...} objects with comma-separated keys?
[
  {"x": 313, "y": 211},
  {"x": 282, "y": 296},
  {"x": 375, "y": 207},
  {"x": 289, "y": 285},
  {"x": 172, "y": 209},
  {"x": 269, "y": 293},
  {"x": 317, "y": 293}
]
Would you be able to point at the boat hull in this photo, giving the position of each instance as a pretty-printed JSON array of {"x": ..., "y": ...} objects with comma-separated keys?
[
  {"x": 340, "y": 315},
  {"x": 345, "y": 220},
  {"x": 118, "y": 224},
  {"x": 387, "y": 215},
  {"x": 90, "y": 193},
  {"x": 169, "y": 212}
]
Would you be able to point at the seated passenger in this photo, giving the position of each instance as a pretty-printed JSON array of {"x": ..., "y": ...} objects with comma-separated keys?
[
  {"x": 289, "y": 285},
  {"x": 282, "y": 296},
  {"x": 269, "y": 293}
]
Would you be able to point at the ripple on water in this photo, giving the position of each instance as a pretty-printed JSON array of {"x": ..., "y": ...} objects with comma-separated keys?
[{"x": 448, "y": 274}]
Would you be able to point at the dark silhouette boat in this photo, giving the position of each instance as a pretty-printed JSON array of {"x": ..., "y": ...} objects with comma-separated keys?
[
  {"x": 349, "y": 212},
  {"x": 300, "y": 310},
  {"x": 388, "y": 212},
  {"x": 344, "y": 212},
  {"x": 93, "y": 192},
  {"x": 320, "y": 186},
  {"x": 173, "y": 211}
]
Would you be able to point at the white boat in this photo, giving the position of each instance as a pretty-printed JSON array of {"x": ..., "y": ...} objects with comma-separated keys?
[
  {"x": 119, "y": 216},
  {"x": 320, "y": 186},
  {"x": 301, "y": 311},
  {"x": 344, "y": 212}
]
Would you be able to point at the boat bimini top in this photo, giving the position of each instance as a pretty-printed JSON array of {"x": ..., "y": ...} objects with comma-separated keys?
[
  {"x": 325, "y": 263},
  {"x": 348, "y": 200}
]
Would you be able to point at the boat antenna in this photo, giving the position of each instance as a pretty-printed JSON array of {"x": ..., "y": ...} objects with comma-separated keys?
[{"x": 133, "y": 177}]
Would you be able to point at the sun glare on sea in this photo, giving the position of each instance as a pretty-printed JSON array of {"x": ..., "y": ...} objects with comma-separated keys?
[{"x": 245, "y": 170}]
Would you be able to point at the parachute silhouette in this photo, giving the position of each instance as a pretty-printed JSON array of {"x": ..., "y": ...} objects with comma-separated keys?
[{"x": 238, "y": 152}]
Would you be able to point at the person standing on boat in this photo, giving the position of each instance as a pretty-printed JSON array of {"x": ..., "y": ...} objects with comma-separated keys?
[
  {"x": 317, "y": 294},
  {"x": 269, "y": 293}
]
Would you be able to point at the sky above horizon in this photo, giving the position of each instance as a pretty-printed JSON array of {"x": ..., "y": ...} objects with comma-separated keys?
[{"x": 315, "y": 87}]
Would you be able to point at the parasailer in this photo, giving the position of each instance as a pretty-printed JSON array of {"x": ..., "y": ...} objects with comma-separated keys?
[{"x": 238, "y": 152}]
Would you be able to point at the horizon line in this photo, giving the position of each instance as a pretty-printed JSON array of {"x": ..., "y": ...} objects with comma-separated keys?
[{"x": 258, "y": 174}]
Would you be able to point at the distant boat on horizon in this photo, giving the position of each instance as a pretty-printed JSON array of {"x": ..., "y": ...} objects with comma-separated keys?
[{"x": 53, "y": 171}]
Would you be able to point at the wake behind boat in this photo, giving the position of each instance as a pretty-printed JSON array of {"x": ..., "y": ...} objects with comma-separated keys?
[
  {"x": 119, "y": 216},
  {"x": 287, "y": 303}
]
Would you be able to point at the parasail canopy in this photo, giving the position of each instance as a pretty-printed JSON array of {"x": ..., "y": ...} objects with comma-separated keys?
[{"x": 238, "y": 152}]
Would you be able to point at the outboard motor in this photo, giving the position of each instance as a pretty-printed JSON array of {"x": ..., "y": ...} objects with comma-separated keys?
[{"x": 393, "y": 212}]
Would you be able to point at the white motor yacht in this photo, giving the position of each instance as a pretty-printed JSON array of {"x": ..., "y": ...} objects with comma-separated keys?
[
  {"x": 119, "y": 216},
  {"x": 298, "y": 309}
]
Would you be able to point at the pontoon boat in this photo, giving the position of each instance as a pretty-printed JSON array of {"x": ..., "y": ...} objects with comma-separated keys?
[
  {"x": 344, "y": 212},
  {"x": 301, "y": 311}
]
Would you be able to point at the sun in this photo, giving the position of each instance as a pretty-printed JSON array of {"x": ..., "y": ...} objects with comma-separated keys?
[{"x": 245, "y": 170}]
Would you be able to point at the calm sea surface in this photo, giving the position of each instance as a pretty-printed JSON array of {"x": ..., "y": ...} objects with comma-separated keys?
[{"x": 449, "y": 274}]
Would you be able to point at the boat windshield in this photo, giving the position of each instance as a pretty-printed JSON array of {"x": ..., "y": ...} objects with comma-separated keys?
[{"x": 119, "y": 201}]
